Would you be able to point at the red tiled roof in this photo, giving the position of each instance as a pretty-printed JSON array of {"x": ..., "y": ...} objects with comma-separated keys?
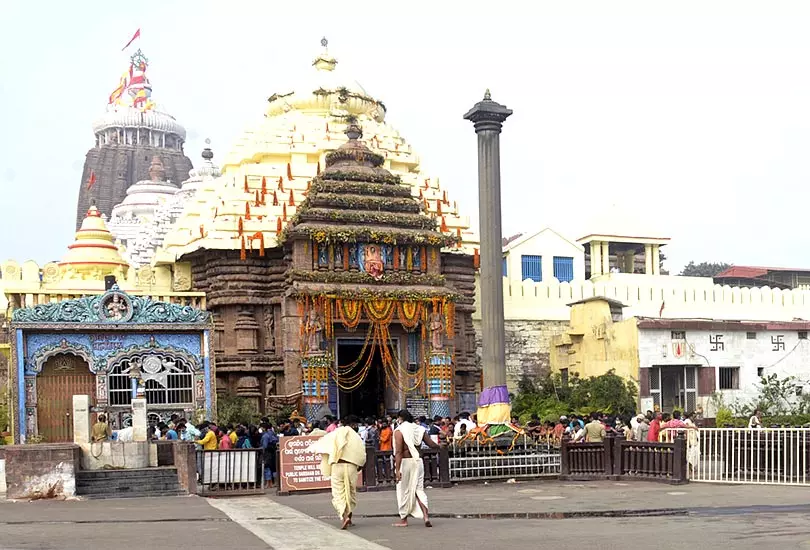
[
  {"x": 743, "y": 272},
  {"x": 753, "y": 272}
]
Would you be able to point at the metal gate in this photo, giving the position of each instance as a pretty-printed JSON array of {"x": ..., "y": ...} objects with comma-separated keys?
[
  {"x": 772, "y": 456},
  {"x": 62, "y": 377}
]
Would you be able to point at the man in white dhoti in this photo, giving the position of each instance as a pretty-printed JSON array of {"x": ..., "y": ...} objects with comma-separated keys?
[
  {"x": 342, "y": 455},
  {"x": 410, "y": 470}
]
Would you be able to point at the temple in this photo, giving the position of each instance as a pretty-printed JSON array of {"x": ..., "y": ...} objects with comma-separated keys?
[
  {"x": 128, "y": 136},
  {"x": 141, "y": 222},
  {"x": 254, "y": 239}
]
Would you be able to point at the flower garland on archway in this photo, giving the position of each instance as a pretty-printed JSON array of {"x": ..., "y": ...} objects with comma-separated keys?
[{"x": 379, "y": 313}]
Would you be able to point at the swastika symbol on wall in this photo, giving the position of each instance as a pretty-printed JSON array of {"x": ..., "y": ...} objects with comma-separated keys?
[
  {"x": 716, "y": 342},
  {"x": 778, "y": 342}
]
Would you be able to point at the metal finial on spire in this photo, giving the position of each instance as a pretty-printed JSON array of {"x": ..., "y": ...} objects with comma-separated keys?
[
  {"x": 487, "y": 95},
  {"x": 354, "y": 131},
  {"x": 324, "y": 42}
]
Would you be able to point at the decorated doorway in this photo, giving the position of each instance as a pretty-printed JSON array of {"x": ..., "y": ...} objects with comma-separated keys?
[
  {"x": 63, "y": 376},
  {"x": 362, "y": 392}
]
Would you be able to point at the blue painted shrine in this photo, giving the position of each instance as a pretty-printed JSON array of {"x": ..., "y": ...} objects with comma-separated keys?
[{"x": 112, "y": 347}]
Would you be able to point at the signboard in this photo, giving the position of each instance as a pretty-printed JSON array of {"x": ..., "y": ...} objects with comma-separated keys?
[
  {"x": 299, "y": 468},
  {"x": 418, "y": 406}
]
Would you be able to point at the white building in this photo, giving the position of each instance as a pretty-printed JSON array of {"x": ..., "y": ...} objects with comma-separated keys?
[
  {"x": 543, "y": 256},
  {"x": 683, "y": 363}
]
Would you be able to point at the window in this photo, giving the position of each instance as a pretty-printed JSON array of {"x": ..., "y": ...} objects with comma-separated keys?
[
  {"x": 563, "y": 269},
  {"x": 760, "y": 371},
  {"x": 802, "y": 335},
  {"x": 678, "y": 335},
  {"x": 173, "y": 386},
  {"x": 729, "y": 378},
  {"x": 532, "y": 268},
  {"x": 751, "y": 335},
  {"x": 564, "y": 377},
  {"x": 503, "y": 267}
]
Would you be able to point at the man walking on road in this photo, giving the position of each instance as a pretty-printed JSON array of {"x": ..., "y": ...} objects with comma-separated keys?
[
  {"x": 342, "y": 455},
  {"x": 410, "y": 470}
]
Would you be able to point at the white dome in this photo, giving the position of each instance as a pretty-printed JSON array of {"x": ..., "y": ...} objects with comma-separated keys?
[{"x": 129, "y": 117}]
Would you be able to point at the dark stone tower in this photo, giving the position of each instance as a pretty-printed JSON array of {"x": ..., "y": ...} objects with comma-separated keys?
[{"x": 131, "y": 132}]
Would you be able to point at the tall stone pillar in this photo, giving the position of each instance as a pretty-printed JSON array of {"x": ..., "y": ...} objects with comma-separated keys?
[
  {"x": 656, "y": 259},
  {"x": 493, "y": 404}
]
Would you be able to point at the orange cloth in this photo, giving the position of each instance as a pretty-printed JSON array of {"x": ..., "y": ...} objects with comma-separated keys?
[{"x": 386, "y": 439}]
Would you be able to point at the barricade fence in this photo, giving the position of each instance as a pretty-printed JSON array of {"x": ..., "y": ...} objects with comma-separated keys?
[
  {"x": 230, "y": 472},
  {"x": 618, "y": 458},
  {"x": 772, "y": 456},
  {"x": 519, "y": 457}
]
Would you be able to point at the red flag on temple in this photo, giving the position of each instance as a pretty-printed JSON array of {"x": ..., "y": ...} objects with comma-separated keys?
[
  {"x": 292, "y": 198},
  {"x": 289, "y": 172},
  {"x": 284, "y": 211},
  {"x": 443, "y": 228},
  {"x": 275, "y": 198},
  {"x": 131, "y": 40},
  {"x": 278, "y": 225},
  {"x": 247, "y": 210},
  {"x": 246, "y": 185},
  {"x": 92, "y": 181}
]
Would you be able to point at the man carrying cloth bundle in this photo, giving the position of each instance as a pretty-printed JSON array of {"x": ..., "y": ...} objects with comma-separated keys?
[
  {"x": 343, "y": 454},
  {"x": 410, "y": 470}
]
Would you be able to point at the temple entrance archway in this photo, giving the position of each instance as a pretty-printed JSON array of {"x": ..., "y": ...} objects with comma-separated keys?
[
  {"x": 63, "y": 376},
  {"x": 367, "y": 396}
]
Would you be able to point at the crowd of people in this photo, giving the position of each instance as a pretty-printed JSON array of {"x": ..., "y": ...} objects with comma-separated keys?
[{"x": 653, "y": 427}]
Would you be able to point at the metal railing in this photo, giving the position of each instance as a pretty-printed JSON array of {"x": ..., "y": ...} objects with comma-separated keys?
[
  {"x": 773, "y": 456},
  {"x": 230, "y": 472},
  {"x": 521, "y": 458}
]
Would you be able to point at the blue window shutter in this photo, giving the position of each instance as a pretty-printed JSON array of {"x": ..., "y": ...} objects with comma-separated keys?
[
  {"x": 503, "y": 267},
  {"x": 532, "y": 268},
  {"x": 564, "y": 269}
]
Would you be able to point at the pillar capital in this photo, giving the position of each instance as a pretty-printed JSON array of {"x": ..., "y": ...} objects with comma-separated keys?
[{"x": 488, "y": 115}]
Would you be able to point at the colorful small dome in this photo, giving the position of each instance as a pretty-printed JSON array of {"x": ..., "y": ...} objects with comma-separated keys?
[{"x": 94, "y": 251}]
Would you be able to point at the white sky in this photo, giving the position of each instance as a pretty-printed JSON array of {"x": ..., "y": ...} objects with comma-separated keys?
[{"x": 693, "y": 113}]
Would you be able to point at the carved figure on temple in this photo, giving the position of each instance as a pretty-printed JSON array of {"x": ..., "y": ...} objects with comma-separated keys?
[
  {"x": 353, "y": 263},
  {"x": 417, "y": 258},
  {"x": 314, "y": 330},
  {"x": 338, "y": 256},
  {"x": 269, "y": 329},
  {"x": 323, "y": 256},
  {"x": 116, "y": 308},
  {"x": 437, "y": 332},
  {"x": 372, "y": 260},
  {"x": 387, "y": 255}
]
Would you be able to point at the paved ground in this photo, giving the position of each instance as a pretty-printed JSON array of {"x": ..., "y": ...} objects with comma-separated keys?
[
  {"x": 564, "y": 499},
  {"x": 693, "y": 517}
]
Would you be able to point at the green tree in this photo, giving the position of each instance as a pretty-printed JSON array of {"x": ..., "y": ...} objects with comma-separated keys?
[
  {"x": 235, "y": 410},
  {"x": 549, "y": 398},
  {"x": 703, "y": 269}
]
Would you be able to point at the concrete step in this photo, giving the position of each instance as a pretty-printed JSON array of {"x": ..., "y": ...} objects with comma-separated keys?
[
  {"x": 142, "y": 482},
  {"x": 136, "y": 494},
  {"x": 119, "y": 489},
  {"x": 144, "y": 473}
]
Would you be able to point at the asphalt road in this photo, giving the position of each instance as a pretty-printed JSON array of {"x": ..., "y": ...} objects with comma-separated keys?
[{"x": 739, "y": 532}]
